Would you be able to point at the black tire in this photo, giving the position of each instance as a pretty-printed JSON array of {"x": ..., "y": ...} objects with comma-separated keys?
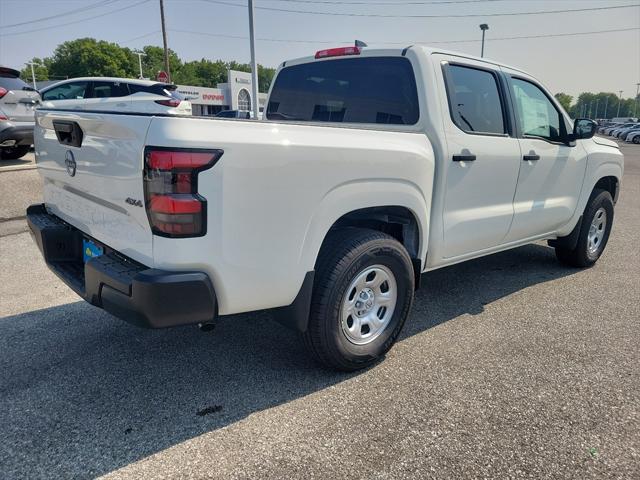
[
  {"x": 13, "y": 153},
  {"x": 582, "y": 256},
  {"x": 345, "y": 254},
  {"x": 636, "y": 139}
]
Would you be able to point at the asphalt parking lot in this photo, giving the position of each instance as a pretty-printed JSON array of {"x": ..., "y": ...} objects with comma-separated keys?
[{"x": 510, "y": 366}]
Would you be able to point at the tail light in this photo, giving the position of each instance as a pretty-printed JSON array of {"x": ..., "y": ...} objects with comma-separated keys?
[
  {"x": 3, "y": 92},
  {"x": 170, "y": 102},
  {"x": 338, "y": 52},
  {"x": 174, "y": 207}
]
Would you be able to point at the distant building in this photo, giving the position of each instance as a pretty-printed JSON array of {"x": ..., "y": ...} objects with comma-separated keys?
[{"x": 235, "y": 94}]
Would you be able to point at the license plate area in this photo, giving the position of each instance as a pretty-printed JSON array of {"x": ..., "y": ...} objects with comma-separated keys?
[{"x": 90, "y": 249}]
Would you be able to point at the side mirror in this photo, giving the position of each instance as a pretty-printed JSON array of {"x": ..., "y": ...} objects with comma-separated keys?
[{"x": 584, "y": 128}]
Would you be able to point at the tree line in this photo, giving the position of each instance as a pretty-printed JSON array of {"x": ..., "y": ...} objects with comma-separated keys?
[
  {"x": 599, "y": 105},
  {"x": 88, "y": 57}
]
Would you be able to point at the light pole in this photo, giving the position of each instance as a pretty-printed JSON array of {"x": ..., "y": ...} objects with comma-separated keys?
[
  {"x": 635, "y": 105},
  {"x": 619, "y": 102},
  {"x": 33, "y": 73},
  {"x": 606, "y": 105},
  {"x": 595, "y": 115},
  {"x": 483, "y": 27},
  {"x": 140, "y": 55},
  {"x": 254, "y": 64}
]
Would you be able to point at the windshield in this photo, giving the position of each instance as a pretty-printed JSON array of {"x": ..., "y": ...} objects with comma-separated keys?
[{"x": 354, "y": 90}]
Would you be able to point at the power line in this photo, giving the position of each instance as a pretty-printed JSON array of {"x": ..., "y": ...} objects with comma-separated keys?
[
  {"x": 141, "y": 36},
  {"x": 463, "y": 15},
  {"x": 69, "y": 12},
  {"x": 74, "y": 22},
  {"x": 436, "y": 42}
]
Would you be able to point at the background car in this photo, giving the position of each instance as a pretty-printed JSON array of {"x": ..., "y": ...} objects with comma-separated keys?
[
  {"x": 614, "y": 132},
  {"x": 633, "y": 137},
  {"x": 234, "y": 114},
  {"x": 17, "y": 104},
  {"x": 625, "y": 131},
  {"x": 116, "y": 94},
  {"x": 607, "y": 130}
]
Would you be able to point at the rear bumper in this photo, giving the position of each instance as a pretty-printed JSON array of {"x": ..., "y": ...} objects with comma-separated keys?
[
  {"x": 146, "y": 297},
  {"x": 22, "y": 134}
]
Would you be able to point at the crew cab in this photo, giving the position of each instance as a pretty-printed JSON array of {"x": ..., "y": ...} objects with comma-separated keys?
[{"x": 370, "y": 168}]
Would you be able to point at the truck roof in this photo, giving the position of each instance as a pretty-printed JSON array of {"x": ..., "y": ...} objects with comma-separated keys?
[{"x": 392, "y": 52}]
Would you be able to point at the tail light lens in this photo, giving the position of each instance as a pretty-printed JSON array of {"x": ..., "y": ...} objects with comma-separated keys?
[
  {"x": 3, "y": 92},
  {"x": 174, "y": 207},
  {"x": 171, "y": 102}
]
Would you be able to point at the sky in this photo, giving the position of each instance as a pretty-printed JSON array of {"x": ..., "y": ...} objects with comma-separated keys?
[{"x": 218, "y": 29}]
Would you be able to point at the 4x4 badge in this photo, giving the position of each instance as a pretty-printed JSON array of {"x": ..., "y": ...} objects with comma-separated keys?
[{"x": 70, "y": 163}]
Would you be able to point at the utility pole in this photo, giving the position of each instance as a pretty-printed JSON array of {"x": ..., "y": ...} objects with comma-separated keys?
[
  {"x": 619, "y": 102},
  {"x": 254, "y": 64},
  {"x": 606, "y": 105},
  {"x": 140, "y": 55},
  {"x": 33, "y": 74},
  {"x": 164, "y": 41},
  {"x": 484, "y": 27},
  {"x": 635, "y": 104}
]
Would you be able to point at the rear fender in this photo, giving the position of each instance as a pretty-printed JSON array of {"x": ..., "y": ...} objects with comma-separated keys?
[{"x": 356, "y": 195}]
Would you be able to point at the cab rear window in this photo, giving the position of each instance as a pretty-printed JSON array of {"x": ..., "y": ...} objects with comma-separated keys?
[{"x": 355, "y": 90}]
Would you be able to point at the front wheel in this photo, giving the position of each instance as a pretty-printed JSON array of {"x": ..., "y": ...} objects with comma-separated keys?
[
  {"x": 636, "y": 139},
  {"x": 594, "y": 232},
  {"x": 362, "y": 295}
]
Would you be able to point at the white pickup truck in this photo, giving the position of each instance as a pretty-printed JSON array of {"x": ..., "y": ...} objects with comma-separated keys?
[{"x": 370, "y": 168}]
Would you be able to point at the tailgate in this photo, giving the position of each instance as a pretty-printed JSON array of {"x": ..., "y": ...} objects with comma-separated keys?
[
  {"x": 96, "y": 185},
  {"x": 19, "y": 105}
]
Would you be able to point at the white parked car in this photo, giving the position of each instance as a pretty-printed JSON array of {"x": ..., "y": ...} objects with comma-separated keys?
[
  {"x": 633, "y": 136},
  {"x": 371, "y": 168},
  {"x": 115, "y": 95}
]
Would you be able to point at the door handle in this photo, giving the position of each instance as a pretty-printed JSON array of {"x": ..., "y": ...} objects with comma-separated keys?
[
  {"x": 464, "y": 158},
  {"x": 531, "y": 157}
]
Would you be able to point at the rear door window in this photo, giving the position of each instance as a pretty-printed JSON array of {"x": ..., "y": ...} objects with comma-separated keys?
[
  {"x": 474, "y": 100},
  {"x": 109, "y": 90},
  {"x": 67, "y": 91},
  {"x": 355, "y": 90}
]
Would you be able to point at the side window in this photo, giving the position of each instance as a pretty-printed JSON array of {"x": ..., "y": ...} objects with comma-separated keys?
[
  {"x": 536, "y": 114},
  {"x": 109, "y": 89},
  {"x": 474, "y": 99},
  {"x": 67, "y": 91}
]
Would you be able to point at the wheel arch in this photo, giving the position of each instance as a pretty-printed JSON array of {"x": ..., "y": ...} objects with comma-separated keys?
[{"x": 398, "y": 208}]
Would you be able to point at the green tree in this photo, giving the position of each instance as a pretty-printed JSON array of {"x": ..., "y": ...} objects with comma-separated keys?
[
  {"x": 564, "y": 99},
  {"x": 88, "y": 57},
  {"x": 41, "y": 70},
  {"x": 153, "y": 62}
]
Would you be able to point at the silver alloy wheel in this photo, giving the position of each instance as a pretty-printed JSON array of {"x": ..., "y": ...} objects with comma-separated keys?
[
  {"x": 368, "y": 304},
  {"x": 596, "y": 231}
]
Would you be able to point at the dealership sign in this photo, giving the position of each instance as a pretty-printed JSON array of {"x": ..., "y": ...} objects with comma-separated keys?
[{"x": 203, "y": 95}]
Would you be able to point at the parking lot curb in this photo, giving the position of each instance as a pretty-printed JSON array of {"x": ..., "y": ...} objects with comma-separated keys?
[{"x": 17, "y": 168}]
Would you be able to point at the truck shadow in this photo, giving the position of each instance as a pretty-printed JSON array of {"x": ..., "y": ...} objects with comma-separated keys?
[{"x": 84, "y": 394}]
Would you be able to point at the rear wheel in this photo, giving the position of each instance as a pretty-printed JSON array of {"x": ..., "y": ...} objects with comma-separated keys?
[
  {"x": 594, "y": 232},
  {"x": 636, "y": 139},
  {"x": 362, "y": 295},
  {"x": 13, "y": 153}
]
